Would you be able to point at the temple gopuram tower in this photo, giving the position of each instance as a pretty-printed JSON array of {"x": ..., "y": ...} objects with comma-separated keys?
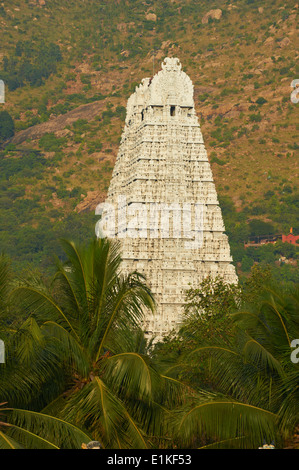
[{"x": 162, "y": 162}]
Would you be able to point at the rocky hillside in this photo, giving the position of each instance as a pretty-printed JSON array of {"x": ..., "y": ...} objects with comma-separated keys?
[{"x": 69, "y": 68}]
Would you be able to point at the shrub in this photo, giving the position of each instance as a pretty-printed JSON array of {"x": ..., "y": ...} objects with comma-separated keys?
[
  {"x": 50, "y": 143},
  {"x": 247, "y": 263},
  {"x": 261, "y": 100},
  {"x": 7, "y": 127},
  {"x": 255, "y": 117}
]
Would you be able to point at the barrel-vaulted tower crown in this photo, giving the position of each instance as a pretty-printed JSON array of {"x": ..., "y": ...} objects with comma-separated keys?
[{"x": 168, "y": 93}]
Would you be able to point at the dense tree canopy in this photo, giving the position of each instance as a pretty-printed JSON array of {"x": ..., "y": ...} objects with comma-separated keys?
[
  {"x": 79, "y": 368},
  {"x": 7, "y": 127}
]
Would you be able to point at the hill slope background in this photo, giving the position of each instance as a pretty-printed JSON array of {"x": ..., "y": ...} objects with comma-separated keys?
[{"x": 69, "y": 69}]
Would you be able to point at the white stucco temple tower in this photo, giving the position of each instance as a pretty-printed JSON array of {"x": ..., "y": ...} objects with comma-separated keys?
[{"x": 162, "y": 160}]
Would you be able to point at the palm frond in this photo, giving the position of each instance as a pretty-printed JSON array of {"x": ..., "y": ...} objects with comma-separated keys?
[
  {"x": 29, "y": 440},
  {"x": 224, "y": 419},
  {"x": 105, "y": 415},
  {"x": 257, "y": 354},
  {"x": 7, "y": 442},
  {"x": 66, "y": 345},
  {"x": 132, "y": 374},
  {"x": 126, "y": 304},
  {"x": 41, "y": 305}
]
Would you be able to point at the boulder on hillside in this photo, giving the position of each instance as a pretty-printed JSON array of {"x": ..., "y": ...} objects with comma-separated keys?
[
  {"x": 269, "y": 41},
  {"x": 151, "y": 17},
  {"x": 285, "y": 42},
  {"x": 213, "y": 14},
  {"x": 90, "y": 202}
]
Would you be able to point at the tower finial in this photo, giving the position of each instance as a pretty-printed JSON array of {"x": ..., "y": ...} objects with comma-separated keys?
[{"x": 171, "y": 64}]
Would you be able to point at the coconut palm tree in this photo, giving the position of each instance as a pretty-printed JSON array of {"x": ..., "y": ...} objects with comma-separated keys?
[
  {"x": 254, "y": 394},
  {"x": 75, "y": 356},
  {"x": 13, "y": 436}
]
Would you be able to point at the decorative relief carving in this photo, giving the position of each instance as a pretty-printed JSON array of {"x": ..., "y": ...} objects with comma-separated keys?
[{"x": 162, "y": 159}]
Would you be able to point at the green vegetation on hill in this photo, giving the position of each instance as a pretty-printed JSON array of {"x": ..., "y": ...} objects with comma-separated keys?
[
  {"x": 31, "y": 63},
  {"x": 241, "y": 225},
  {"x": 88, "y": 56},
  {"x": 7, "y": 127}
]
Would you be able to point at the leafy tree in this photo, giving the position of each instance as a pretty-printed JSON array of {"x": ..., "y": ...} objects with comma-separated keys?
[
  {"x": 260, "y": 277},
  {"x": 246, "y": 263},
  {"x": 206, "y": 317},
  {"x": 253, "y": 393},
  {"x": 260, "y": 228},
  {"x": 7, "y": 126},
  {"x": 207, "y": 308}
]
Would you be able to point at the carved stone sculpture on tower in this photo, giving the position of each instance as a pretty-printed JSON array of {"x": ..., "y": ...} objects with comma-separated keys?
[{"x": 162, "y": 168}]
